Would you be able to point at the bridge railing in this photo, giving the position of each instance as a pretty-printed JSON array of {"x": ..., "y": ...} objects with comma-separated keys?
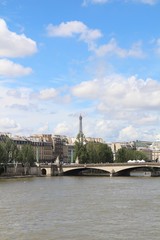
[{"x": 112, "y": 164}]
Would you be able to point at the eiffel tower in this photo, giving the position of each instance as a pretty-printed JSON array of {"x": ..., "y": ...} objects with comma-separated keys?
[{"x": 80, "y": 135}]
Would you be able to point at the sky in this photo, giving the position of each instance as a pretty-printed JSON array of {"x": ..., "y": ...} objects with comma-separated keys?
[{"x": 60, "y": 59}]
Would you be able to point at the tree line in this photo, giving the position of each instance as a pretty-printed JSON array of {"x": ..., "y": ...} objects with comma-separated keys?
[
  {"x": 10, "y": 153},
  {"x": 93, "y": 152}
]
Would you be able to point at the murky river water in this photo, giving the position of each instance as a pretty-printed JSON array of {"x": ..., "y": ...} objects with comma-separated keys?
[{"x": 76, "y": 208}]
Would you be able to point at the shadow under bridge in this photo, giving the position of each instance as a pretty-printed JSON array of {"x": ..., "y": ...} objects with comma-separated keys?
[{"x": 86, "y": 171}]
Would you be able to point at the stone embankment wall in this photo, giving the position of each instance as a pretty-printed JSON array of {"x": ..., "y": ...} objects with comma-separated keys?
[{"x": 20, "y": 170}]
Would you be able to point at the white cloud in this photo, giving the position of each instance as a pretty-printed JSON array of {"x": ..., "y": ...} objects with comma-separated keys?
[
  {"x": 121, "y": 102},
  {"x": 11, "y": 69},
  {"x": 149, "y": 2},
  {"x": 128, "y": 133},
  {"x": 133, "y": 133},
  {"x": 89, "y": 36},
  {"x": 21, "y": 92},
  {"x": 74, "y": 28},
  {"x": 48, "y": 93},
  {"x": 9, "y": 125},
  {"x": 87, "y": 89},
  {"x": 14, "y": 45},
  {"x": 100, "y": 1},
  {"x": 147, "y": 119},
  {"x": 63, "y": 128},
  {"x": 86, "y": 2},
  {"x": 112, "y": 48},
  {"x": 117, "y": 108},
  {"x": 118, "y": 92},
  {"x": 44, "y": 128},
  {"x": 77, "y": 28},
  {"x": 68, "y": 29},
  {"x": 101, "y": 127},
  {"x": 13, "y": 100},
  {"x": 136, "y": 51},
  {"x": 126, "y": 108}
]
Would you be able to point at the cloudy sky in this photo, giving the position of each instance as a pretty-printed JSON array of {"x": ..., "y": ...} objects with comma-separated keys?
[{"x": 97, "y": 58}]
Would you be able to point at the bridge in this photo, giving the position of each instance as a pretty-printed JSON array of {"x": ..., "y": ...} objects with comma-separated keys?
[{"x": 111, "y": 169}]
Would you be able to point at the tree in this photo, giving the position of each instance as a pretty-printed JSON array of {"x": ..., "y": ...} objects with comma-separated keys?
[
  {"x": 104, "y": 153},
  {"x": 2, "y": 158},
  {"x": 121, "y": 155},
  {"x": 13, "y": 153},
  {"x": 26, "y": 157},
  {"x": 8, "y": 151},
  {"x": 92, "y": 152},
  {"x": 124, "y": 154},
  {"x": 99, "y": 153},
  {"x": 81, "y": 152},
  {"x": 2, "y": 153},
  {"x": 138, "y": 155}
]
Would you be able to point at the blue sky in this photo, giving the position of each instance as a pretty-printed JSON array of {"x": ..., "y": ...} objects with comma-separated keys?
[{"x": 97, "y": 58}]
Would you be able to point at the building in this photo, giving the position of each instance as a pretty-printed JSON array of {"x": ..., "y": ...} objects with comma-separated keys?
[
  {"x": 20, "y": 141},
  {"x": 58, "y": 142},
  {"x": 69, "y": 153},
  {"x": 155, "y": 148},
  {"x": 43, "y": 147}
]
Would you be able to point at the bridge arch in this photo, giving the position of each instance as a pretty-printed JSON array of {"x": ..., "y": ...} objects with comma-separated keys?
[
  {"x": 43, "y": 171},
  {"x": 126, "y": 170}
]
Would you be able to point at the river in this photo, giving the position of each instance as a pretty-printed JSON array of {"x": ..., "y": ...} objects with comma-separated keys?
[{"x": 80, "y": 208}]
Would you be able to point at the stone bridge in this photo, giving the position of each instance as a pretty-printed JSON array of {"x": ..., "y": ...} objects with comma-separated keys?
[{"x": 110, "y": 168}]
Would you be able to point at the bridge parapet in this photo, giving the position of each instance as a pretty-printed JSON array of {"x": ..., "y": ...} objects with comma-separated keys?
[{"x": 110, "y": 167}]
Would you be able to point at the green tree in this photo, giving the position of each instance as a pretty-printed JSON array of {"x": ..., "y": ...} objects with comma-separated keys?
[
  {"x": 26, "y": 157},
  {"x": 2, "y": 158},
  {"x": 124, "y": 154},
  {"x": 92, "y": 152},
  {"x": 138, "y": 155},
  {"x": 12, "y": 153},
  {"x": 8, "y": 151},
  {"x": 121, "y": 155},
  {"x": 80, "y": 152},
  {"x": 2, "y": 153},
  {"x": 99, "y": 153},
  {"x": 104, "y": 153}
]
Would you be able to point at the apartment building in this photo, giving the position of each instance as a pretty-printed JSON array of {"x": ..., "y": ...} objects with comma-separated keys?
[{"x": 43, "y": 147}]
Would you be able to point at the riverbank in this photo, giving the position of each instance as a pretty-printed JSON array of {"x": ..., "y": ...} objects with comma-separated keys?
[{"x": 19, "y": 176}]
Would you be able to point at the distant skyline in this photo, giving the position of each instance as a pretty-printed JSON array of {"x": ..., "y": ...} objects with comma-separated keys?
[{"x": 97, "y": 58}]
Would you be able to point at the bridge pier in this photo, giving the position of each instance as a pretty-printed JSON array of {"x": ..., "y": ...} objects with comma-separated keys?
[{"x": 112, "y": 173}]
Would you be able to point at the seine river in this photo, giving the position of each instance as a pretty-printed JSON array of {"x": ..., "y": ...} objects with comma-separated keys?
[{"x": 80, "y": 208}]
